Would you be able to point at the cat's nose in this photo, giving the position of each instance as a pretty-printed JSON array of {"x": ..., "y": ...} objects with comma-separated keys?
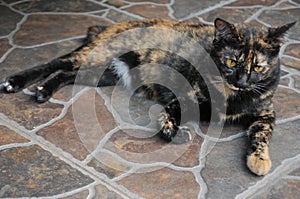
[{"x": 243, "y": 81}]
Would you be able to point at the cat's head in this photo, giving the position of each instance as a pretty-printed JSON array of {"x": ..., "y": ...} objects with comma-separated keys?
[{"x": 247, "y": 54}]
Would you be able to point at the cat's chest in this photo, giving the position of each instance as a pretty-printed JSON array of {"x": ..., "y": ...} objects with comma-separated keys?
[{"x": 241, "y": 104}]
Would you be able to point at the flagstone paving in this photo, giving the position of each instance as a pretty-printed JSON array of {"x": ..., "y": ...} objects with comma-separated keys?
[{"x": 81, "y": 144}]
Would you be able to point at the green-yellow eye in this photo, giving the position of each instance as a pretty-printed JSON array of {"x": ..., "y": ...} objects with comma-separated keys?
[
  {"x": 258, "y": 68},
  {"x": 230, "y": 63}
]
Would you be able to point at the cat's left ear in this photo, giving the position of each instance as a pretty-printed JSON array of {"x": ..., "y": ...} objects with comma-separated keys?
[
  {"x": 275, "y": 35},
  {"x": 225, "y": 30}
]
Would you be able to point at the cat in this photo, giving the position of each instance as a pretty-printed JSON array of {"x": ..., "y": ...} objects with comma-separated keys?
[{"x": 246, "y": 56}]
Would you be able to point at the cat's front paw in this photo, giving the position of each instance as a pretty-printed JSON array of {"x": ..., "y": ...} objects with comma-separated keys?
[
  {"x": 259, "y": 161},
  {"x": 173, "y": 133},
  {"x": 12, "y": 84}
]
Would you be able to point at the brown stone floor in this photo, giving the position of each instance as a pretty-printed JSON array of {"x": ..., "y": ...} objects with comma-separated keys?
[{"x": 48, "y": 151}]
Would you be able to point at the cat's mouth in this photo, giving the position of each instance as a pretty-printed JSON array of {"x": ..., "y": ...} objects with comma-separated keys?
[{"x": 235, "y": 88}]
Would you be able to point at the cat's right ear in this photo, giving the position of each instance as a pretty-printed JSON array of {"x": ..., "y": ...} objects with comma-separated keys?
[{"x": 225, "y": 30}]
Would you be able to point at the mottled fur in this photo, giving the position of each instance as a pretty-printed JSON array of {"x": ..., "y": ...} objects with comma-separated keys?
[{"x": 246, "y": 56}]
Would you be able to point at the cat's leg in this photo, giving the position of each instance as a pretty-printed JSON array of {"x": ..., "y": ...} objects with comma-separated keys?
[
  {"x": 20, "y": 80},
  {"x": 169, "y": 120},
  {"x": 260, "y": 132},
  {"x": 52, "y": 83}
]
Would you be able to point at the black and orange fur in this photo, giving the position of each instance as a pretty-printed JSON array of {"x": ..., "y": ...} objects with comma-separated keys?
[{"x": 246, "y": 56}]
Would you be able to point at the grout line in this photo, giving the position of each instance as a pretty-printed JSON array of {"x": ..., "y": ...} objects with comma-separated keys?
[
  {"x": 51, "y": 42},
  {"x": 291, "y": 57},
  {"x": 294, "y": 3},
  {"x": 142, "y": 3},
  {"x": 116, "y": 9},
  {"x": 61, "y": 154},
  {"x": 289, "y": 177},
  {"x": 219, "y": 5},
  {"x": 296, "y": 90},
  {"x": 290, "y": 119},
  {"x": 69, "y": 193},
  {"x": 259, "y": 12},
  {"x": 63, "y": 112},
  {"x": 14, "y": 145},
  {"x": 92, "y": 193}
]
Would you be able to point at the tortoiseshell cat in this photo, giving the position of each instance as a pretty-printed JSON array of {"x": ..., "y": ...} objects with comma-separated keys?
[{"x": 246, "y": 56}]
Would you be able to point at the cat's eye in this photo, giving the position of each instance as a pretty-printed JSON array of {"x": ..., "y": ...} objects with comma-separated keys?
[
  {"x": 258, "y": 68},
  {"x": 230, "y": 63}
]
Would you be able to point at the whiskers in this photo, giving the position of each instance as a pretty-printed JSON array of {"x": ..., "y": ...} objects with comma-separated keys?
[{"x": 259, "y": 89}]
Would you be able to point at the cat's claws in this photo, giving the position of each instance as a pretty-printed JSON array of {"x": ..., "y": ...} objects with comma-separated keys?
[{"x": 259, "y": 162}]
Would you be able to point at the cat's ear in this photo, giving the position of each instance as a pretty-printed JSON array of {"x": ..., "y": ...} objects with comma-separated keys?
[
  {"x": 275, "y": 35},
  {"x": 224, "y": 29}
]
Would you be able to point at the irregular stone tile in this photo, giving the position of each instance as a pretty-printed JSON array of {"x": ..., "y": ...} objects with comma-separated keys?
[
  {"x": 293, "y": 63},
  {"x": 104, "y": 193},
  {"x": 25, "y": 111},
  {"x": 296, "y": 1},
  {"x": 293, "y": 50},
  {"x": 8, "y": 20},
  {"x": 46, "y": 28},
  {"x": 154, "y": 1},
  {"x": 232, "y": 15},
  {"x": 138, "y": 111},
  {"x": 34, "y": 172},
  {"x": 226, "y": 131},
  {"x": 285, "y": 5},
  {"x": 190, "y": 158},
  {"x": 144, "y": 147},
  {"x": 116, "y": 3},
  {"x": 297, "y": 81},
  {"x": 285, "y": 189},
  {"x": 119, "y": 17},
  {"x": 100, "y": 13},
  {"x": 285, "y": 142},
  {"x": 67, "y": 93},
  {"x": 283, "y": 73},
  {"x": 286, "y": 103},
  {"x": 83, "y": 194},
  {"x": 57, "y": 6},
  {"x": 284, "y": 81},
  {"x": 281, "y": 17},
  {"x": 149, "y": 11},
  {"x": 108, "y": 165},
  {"x": 184, "y": 9},
  {"x": 225, "y": 170},
  {"x": 295, "y": 172},
  {"x": 9, "y": 137},
  {"x": 20, "y": 59},
  {"x": 162, "y": 183},
  {"x": 77, "y": 133},
  {"x": 253, "y": 3},
  {"x": 5, "y": 46}
]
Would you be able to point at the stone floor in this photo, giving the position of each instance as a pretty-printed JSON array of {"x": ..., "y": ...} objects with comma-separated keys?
[{"x": 48, "y": 151}]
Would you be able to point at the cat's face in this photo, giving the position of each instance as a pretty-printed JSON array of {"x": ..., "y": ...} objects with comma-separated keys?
[{"x": 248, "y": 55}]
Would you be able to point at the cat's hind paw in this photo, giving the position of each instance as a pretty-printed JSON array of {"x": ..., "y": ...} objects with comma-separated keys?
[
  {"x": 42, "y": 94},
  {"x": 9, "y": 86},
  {"x": 259, "y": 161}
]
